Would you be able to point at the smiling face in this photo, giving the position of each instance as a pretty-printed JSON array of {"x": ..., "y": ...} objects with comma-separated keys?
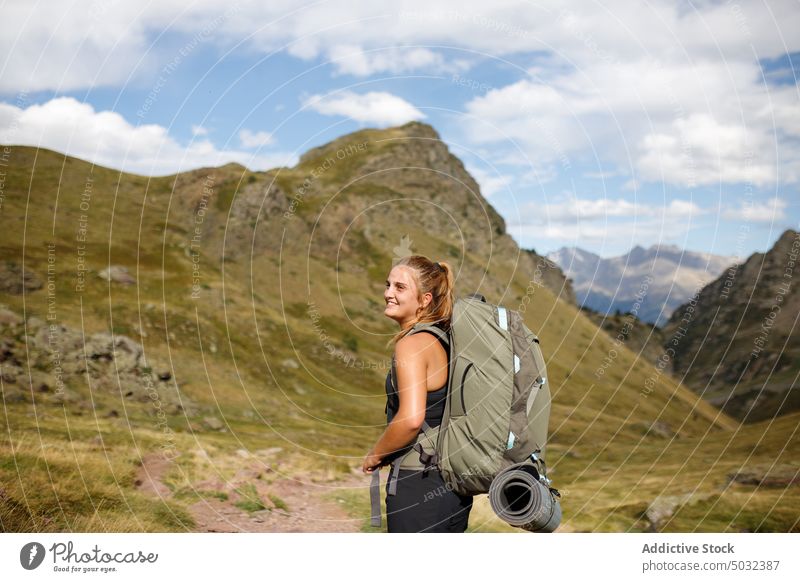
[{"x": 400, "y": 295}]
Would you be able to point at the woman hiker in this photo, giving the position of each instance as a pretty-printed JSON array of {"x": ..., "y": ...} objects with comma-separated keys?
[{"x": 419, "y": 294}]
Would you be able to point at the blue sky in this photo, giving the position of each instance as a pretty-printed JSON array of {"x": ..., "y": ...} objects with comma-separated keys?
[{"x": 598, "y": 126}]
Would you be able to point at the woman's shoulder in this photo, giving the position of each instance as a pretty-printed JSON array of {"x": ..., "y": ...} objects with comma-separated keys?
[
  {"x": 415, "y": 340},
  {"x": 416, "y": 345}
]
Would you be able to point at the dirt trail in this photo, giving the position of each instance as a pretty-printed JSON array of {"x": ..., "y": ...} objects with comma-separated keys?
[{"x": 291, "y": 505}]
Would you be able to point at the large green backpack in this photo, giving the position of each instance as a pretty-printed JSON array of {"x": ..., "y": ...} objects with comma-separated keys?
[{"x": 498, "y": 402}]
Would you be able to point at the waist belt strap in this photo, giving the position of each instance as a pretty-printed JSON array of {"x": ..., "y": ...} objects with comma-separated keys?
[
  {"x": 375, "y": 498},
  {"x": 392, "y": 488},
  {"x": 375, "y": 492}
]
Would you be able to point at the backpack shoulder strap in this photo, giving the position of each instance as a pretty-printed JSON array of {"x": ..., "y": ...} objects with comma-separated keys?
[{"x": 434, "y": 329}]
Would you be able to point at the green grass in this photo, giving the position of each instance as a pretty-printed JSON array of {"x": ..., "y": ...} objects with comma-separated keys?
[
  {"x": 251, "y": 501},
  {"x": 278, "y": 502},
  {"x": 225, "y": 194},
  {"x": 61, "y": 483},
  {"x": 357, "y": 506}
]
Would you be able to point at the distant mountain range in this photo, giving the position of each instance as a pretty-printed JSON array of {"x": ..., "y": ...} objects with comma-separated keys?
[
  {"x": 650, "y": 283},
  {"x": 735, "y": 342}
]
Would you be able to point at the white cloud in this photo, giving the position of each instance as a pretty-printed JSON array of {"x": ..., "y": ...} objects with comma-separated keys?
[
  {"x": 65, "y": 45},
  {"x": 688, "y": 124},
  {"x": 769, "y": 211},
  {"x": 199, "y": 130},
  {"x": 598, "y": 235},
  {"x": 254, "y": 139},
  {"x": 593, "y": 223},
  {"x": 587, "y": 234},
  {"x": 490, "y": 183},
  {"x": 354, "y": 60},
  {"x": 699, "y": 150},
  {"x": 573, "y": 210},
  {"x": 106, "y": 138},
  {"x": 376, "y": 107},
  {"x": 603, "y": 174},
  {"x": 619, "y": 81}
]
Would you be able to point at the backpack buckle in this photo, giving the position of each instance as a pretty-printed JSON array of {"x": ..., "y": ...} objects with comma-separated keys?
[{"x": 427, "y": 459}]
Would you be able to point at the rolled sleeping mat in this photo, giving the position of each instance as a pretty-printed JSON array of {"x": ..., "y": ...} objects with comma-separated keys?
[{"x": 520, "y": 499}]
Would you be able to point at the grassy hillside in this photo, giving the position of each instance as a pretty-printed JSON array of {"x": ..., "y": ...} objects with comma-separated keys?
[
  {"x": 749, "y": 363},
  {"x": 259, "y": 295}
]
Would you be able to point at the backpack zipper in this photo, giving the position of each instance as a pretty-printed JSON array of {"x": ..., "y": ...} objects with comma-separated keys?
[{"x": 463, "y": 378}]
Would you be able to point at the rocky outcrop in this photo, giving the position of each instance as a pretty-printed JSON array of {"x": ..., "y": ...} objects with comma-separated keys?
[
  {"x": 54, "y": 363},
  {"x": 16, "y": 281},
  {"x": 767, "y": 475},
  {"x": 549, "y": 274},
  {"x": 117, "y": 274},
  {"x": 736, "y": 340}
]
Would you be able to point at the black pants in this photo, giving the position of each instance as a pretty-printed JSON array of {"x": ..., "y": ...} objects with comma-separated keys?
[{"x": 423, "y": 503}]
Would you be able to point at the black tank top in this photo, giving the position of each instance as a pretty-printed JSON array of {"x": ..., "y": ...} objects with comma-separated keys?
[{"x": 434, "y": 404}]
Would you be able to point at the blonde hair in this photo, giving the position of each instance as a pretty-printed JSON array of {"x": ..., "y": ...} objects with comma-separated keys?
[{"x": 436, "y": 279}]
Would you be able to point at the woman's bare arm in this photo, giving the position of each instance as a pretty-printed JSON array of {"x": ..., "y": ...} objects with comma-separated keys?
[{"x": 412, "y": 355}]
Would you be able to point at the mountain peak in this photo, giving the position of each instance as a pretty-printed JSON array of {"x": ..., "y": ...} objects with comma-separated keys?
[
  {"x": 667, "y": 248},
  {"x": 413, "y": 130},
  {"x": 419, "y": 129},
  {"x": 605, "y": 284},
  {"x": 576, "y": 251},
  {"x": 574, "y": 259},
  {"x": 786, "y": 237},
  {"x": 637, "y": 255}
]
